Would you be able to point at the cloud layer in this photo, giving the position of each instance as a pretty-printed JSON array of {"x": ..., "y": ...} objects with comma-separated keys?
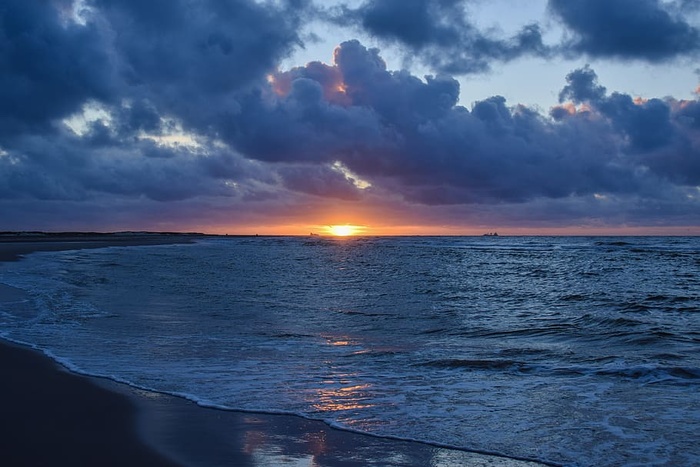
[
  {"x": 441, "y": 34},
  {"x": 629, "y": 29},
  {"x": 173, "y": 114}
]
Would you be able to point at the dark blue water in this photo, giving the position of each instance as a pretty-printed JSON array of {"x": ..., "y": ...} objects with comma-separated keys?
[{"x": 575, "y": 350}]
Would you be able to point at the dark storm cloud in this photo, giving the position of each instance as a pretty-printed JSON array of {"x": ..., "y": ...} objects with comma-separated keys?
[
  {"x": 146, "y": 65},
  {"x": 660, "y": 135},
  {"x": 167, "y": 56},
  {"x": 441, "y": 34},
  {"x": 582, "y": 85},
  {"x": 303, "y": 126},
  {"x": 647, "y": 124},
  {"x": 180, "y": 103},
  {"x": 628, "y": 29},
  {"x": 319, "y": 181},
  {"x": 688, "y": 115},
  {"x": 50, "y": 66},
  {"x": 68, "y": 167},
  {"x": 409, "y": 135},
  {"x": 189, "y": 57}
]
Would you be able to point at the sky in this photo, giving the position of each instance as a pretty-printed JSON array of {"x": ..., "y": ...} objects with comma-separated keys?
[{"x": 398, "y": 117}]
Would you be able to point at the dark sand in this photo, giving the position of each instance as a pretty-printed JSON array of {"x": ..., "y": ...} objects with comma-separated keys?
[
  {"x": 13, "y": 247},
  {"x": 53, "y": 417}
]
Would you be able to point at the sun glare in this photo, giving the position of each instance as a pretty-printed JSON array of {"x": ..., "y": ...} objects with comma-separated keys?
[{"x": 343, "y": 230}]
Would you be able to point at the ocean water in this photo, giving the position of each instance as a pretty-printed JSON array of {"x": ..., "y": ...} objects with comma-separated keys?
[{"x": 571, "y": 350}]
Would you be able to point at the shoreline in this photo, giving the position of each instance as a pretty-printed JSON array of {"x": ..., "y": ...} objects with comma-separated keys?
[
  {"x": 14, "y": 246},
  {"x": 55, "y": 416}
]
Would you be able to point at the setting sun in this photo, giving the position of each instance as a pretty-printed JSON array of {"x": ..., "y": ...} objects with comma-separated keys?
[{"x": 343, "y": 230}]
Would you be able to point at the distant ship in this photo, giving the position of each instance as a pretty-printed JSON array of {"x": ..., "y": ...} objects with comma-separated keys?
[{"x": 494, "y": 234}]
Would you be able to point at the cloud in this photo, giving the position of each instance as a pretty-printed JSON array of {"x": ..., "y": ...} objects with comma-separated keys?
[
  {"x": 582, "y": 85},
  {"x": 132, "y": 76},
  {"x": 648, "y": 30},
  {"x": 656, "y": 135},
  {"x": 188, "y": 58},
  {"x": 166, "y": 57},
  {"x": 50, "y": 66},
  {"x": 127, "y": 111},
  {"x": 409, "y": 136},
  {"x": 441, "y": 34},
  {"x": 322, "y": 181},
  {"x": 646, "y": 123},
  {"x": 68, "y": 167}
]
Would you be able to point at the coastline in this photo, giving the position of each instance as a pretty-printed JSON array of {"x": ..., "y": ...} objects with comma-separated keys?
[
  {"x": 53, "y": 416},
  {"x": 14, "y": 246}
]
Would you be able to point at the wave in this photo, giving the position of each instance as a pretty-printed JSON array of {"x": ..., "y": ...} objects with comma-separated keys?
[
  {"x": 292, "y": 335},
  {"x": 205, "y": 403},
  {"x": 613, "y": 243},
  {"x": 653, "y": 374},
  {"x": 476, "y": 364},
  {"x": 642, "y": 373}
]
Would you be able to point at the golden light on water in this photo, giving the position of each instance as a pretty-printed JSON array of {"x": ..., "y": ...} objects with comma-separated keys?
[
  {"x": 346, "y": 230},
  {"x": 339, "y": 398}
]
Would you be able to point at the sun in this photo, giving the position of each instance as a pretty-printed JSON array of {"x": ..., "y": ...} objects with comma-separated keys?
[{"x": 343, "y": 230}]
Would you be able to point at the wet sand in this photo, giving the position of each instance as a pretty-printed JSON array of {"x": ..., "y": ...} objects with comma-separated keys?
[
  {"x": 14, "y": 247},
  {"x": 54, "y": 417}
]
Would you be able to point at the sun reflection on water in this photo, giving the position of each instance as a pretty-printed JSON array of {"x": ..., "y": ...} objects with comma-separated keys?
[
  {"x": 340, "y": 390},
  {"x": 342, "y": 398}
]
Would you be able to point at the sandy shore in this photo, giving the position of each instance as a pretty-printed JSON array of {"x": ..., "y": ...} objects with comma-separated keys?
[
  {"x": 54, "y": 417},
  {"x": 13, "y": 247}
]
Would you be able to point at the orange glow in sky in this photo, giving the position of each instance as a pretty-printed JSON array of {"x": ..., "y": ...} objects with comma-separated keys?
[
  {"x": 344, "y": 230},
  {"x": 350, "y": 230}
]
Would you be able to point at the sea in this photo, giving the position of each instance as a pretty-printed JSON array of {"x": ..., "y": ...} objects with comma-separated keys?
[{"x": 579, "y": 351}]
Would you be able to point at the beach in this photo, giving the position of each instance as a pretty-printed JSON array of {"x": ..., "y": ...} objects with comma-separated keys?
[
  {"x": 14, "y": 246},
  {"x": 55, "y": 417}
]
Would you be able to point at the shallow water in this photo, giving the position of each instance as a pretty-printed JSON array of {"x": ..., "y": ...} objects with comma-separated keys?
[{"x": 570, "y": 350}]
